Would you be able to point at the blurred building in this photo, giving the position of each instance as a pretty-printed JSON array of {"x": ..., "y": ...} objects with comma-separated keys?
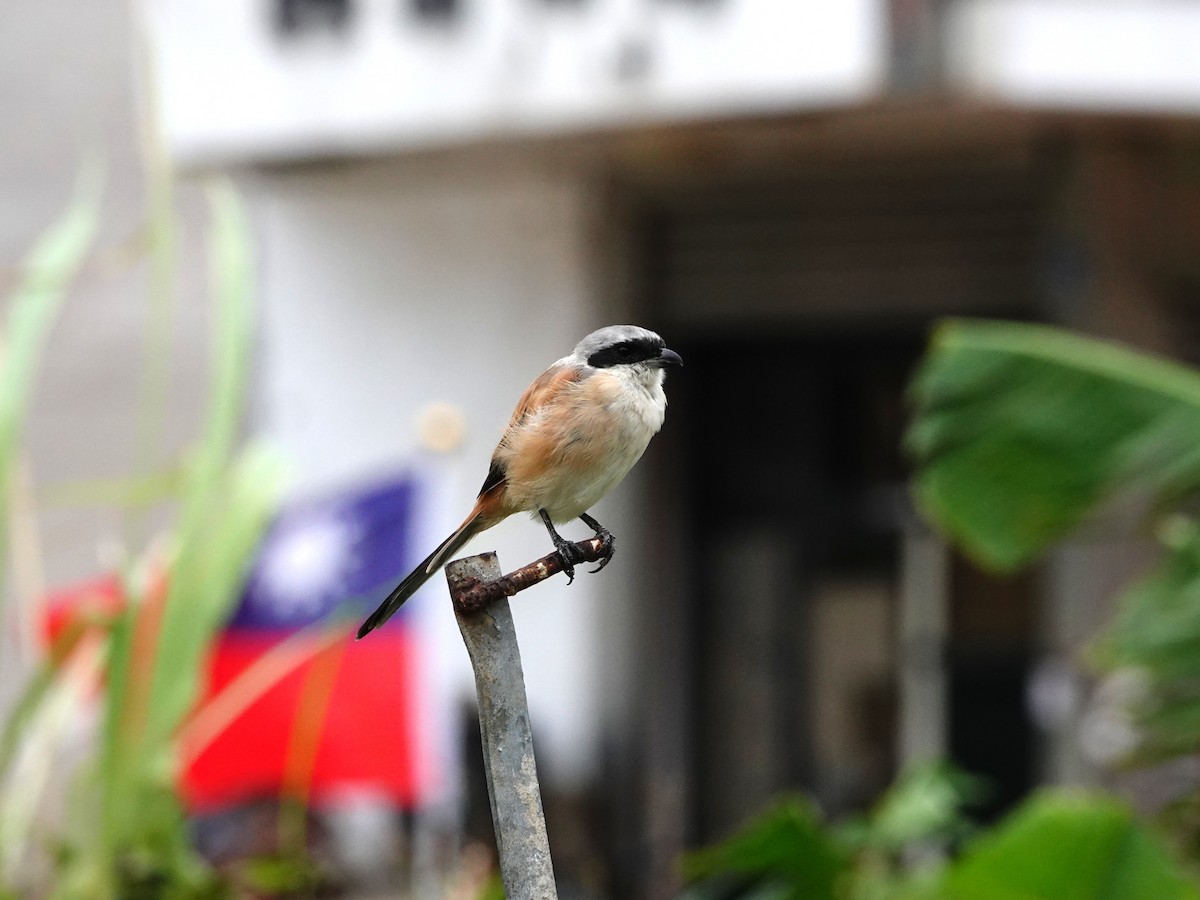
[{"x": 449, "y": 193}]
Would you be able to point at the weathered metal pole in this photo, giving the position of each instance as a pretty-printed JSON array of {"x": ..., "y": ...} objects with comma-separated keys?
[{"x": 512, "y": 782}]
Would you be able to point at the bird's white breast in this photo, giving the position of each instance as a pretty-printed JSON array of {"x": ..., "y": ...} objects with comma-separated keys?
[{"x": 594, "y": 436}]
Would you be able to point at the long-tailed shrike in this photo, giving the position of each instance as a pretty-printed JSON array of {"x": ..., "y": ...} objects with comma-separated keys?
[{"x": 576, "y": 432}]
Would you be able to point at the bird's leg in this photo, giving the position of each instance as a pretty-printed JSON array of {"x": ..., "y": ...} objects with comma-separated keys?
[
  {"x": 565, "y": 548},
  {"x": 606, "y": 537}
]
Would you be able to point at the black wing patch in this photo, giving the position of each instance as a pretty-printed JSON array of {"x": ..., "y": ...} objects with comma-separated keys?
[{"x": 495, "y": 476}]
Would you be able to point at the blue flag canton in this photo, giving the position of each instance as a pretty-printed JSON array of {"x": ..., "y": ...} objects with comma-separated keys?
[{"x": 319, "y": 556}]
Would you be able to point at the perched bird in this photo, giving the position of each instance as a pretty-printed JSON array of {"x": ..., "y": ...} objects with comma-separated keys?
[{"x": 576, "y": 432}]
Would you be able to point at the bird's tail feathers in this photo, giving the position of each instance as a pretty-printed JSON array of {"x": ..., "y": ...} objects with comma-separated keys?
[
  {"x": 451, "y": 545},
  {"x": 411, "y": 584}
]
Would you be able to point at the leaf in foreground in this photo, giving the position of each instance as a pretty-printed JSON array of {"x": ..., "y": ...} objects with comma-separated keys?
[
  {"x": 1020, "y": 431},
  {"x": 786, "y": 849},
  {"x": 1068, "y": 846},
  {"x": 925, "y": 804}
]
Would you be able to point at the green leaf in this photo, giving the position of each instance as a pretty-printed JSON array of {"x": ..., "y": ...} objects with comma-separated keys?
[
  {"x": 924, "y": 804},
  {"x": 1158, "y": 624},
  {"x": 1155, "y": 641},
  {"x": 33, "y": 307},
  {"x": 42, "y": 681},
  {"x": 1068, "y": 846},
  {"x": 1020, "y": 431},
  {"x": 204, "y": 585},
  {"x": 44, "y": 726},
  {"x": 787, "y": 846},
  {"x": 284, "y": 876},
  {"x": 224, "y": 513},
  {"x": 885, "y": 883},
  {"x": 46, "y": 273},
  {"x": 493, "y": 889},
  {"x": 157, "y": 651},
  {"x": 226, "y": 505}
]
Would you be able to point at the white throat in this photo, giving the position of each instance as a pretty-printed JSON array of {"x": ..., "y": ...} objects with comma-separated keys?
[{"x": 642, "y": 393}]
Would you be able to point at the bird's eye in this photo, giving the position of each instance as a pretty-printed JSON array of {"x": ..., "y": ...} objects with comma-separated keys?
[{"x": 625, "y": 352}]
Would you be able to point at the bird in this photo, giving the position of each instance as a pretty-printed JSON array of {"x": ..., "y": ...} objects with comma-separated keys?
[{"x": 575, "y": 434}]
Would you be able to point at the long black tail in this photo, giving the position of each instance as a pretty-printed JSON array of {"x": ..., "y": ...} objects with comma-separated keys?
[{"x": 420, "y": 575}]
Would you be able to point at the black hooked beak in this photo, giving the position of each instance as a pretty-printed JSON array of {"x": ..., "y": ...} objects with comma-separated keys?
[{"x": 668, "y": 358}]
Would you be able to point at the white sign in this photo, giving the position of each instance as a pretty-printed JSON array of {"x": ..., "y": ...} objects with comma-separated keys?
[
  {"x": 1135, "y": 55},
  {"x": 284, "y": 78}
]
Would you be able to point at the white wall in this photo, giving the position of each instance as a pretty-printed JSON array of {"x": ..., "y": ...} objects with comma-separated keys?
[{"x": 391, "y": 286}]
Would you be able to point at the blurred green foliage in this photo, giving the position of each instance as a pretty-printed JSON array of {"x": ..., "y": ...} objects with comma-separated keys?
[
  {"x": 1020, "y": 432},
  {"x": 1063, "y": 845},
  {"x": 493, "y": 890},
  {"x": 787, "y": 852},
  {"x": 791, "y": 852},
  {"x": 158, "y": 643},
  {"x": 926, "y": 806},
  {"x": 1059, "y": 845},
  {"x": 125, "y": 834},
  {"x": 46, "y": 276}
]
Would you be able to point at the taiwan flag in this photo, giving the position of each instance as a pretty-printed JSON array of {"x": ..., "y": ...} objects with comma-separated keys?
[{"x": 344, "y": 715}]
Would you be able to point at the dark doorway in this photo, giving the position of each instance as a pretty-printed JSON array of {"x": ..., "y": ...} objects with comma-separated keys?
[
  {"x": 796, "y": 483},
  {"x": 801, "y": 306}
]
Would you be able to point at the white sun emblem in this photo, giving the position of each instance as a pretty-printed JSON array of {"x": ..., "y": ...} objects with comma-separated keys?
[{"x": 308, "y": 563}]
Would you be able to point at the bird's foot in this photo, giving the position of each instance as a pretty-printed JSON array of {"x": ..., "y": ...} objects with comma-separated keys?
[
  {"x": 607, "y": 540},
  {"x": 608, "y": 548},
  {"x": 569, "y": 554}
]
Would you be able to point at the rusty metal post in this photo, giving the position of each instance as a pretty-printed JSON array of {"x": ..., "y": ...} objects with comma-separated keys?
[{"x": 512, "y": 782}]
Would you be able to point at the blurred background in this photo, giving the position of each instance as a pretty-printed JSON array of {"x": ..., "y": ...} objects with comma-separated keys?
[{"x": 442, "y": 197}]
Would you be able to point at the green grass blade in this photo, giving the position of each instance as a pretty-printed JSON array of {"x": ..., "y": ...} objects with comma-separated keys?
[
  {"x": 47, "y": 273},
  {"x": 38, "y": 687},
  {"x": 205, "y": 581},
  {"x": 226, "y": 505},
  {"x": 35, "y": 754},
  {"x": 115, "y": 763},
  {"x": 223, "y": 516}
]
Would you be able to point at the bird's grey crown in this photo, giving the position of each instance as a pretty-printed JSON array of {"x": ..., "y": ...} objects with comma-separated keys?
[{"x": 611, "y": 336}]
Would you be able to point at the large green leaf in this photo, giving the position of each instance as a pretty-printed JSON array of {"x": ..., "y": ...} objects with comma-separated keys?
[
  {"x": 1021, "y": 430},
  {"x": 1068, "y": 846}
]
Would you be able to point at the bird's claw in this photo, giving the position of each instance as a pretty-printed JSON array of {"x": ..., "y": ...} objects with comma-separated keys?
[
  {"x": 569, "y": 555},
  {"x": 609, "y": 545}
]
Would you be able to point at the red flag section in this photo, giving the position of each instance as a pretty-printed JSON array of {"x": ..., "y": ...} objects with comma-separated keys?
[{"x": 343, "y": 720}]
